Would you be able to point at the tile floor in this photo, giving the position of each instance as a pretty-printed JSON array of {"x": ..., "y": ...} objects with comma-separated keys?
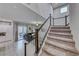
[{"x": 17, "y": 49}]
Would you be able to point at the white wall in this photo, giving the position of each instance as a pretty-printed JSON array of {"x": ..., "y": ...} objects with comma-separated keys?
[
  {"x": 58, "y": 14},
  {"x": 8, "y": 29},
  {"x": 18, "y": 12},
  {"x": 43, "y": 9},
  {"x": 74, "y": 22},
  {"x": 32, "y": 6}
]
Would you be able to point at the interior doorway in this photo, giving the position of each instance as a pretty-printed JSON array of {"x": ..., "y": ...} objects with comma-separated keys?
[{"x": 22, "y": 29}]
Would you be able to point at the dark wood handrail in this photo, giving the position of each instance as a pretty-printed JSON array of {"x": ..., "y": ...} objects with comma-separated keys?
[
  {"x": 61, "y": 17},
  {"x": 44, "y": 38},
  {"x": 65, "y": 17},
  {"x": 5, "y": 22},
  {"x": 43, "y": 23},
  {"x": 37, "y": 45}
]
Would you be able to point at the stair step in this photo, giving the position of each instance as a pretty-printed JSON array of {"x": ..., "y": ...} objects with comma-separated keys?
[
  {"x": 60, "y": 27},
  {"x": 63, "y": 46},
  {"x": 63, "y": 42},
  {"x": 65, "y": 35},
  {"x": 60, "y": 38},
  {"x": 61, "y": 30},
  {"x": 68, "y": 34},
  {"x": 53, "y": 50},
  {"x": 44, "y": 53}
]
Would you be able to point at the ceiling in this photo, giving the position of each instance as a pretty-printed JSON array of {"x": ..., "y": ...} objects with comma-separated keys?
[
  {"x": 56, "y": 5},
  {"x": 17, "y": 12}
]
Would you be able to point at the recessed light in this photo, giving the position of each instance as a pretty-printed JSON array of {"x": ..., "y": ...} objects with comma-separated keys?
[{"x": 37, "y": 24}]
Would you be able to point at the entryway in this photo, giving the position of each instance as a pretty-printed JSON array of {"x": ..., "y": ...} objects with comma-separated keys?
[{"x": 22, "y": 29}]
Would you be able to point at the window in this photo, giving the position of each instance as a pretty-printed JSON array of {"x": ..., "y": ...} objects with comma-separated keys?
[{"x": 63, "y": 9}]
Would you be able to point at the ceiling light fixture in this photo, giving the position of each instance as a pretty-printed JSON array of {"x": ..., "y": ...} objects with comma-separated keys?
[{"x": 37, "y": 24}]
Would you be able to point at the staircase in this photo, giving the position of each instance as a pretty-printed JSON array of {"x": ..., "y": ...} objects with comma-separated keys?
[{"x": 59, "y": 42}]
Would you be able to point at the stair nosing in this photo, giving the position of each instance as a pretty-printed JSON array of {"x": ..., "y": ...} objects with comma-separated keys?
[
  {"x": 60, "y": 38},
  {"x": 48, "y": 52},
  {"x": 60, "y": 26},
  {"x": 66, "y": 34},
  {"x": 61, "y": 29}
]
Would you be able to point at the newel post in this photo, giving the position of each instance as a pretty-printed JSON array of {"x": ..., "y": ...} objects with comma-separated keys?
[
  {"x": 65, "y": 20},
  {"x": 53, "y": 21},
  {"x": 50, "y": 19},
  {"x": 36, "y": 41}
]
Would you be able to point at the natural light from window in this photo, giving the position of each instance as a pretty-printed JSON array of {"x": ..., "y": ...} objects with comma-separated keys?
[{"x": 63, "y": 9}]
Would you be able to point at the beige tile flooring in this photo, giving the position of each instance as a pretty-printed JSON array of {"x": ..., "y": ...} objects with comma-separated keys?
[{"x": 17, "y": 49}]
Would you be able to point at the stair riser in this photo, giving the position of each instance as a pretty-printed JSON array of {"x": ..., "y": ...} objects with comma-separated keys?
[
  {"x": 44, "y": 53},
  {"x": 59, "y": 31},
  {"x": 64, "y": 36},
  {"x": 62, "y": 39},
  {"x": 60, "y": 27},
  {"x": 70, "y": 53},
  {"x": 47, "y": 53}
]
